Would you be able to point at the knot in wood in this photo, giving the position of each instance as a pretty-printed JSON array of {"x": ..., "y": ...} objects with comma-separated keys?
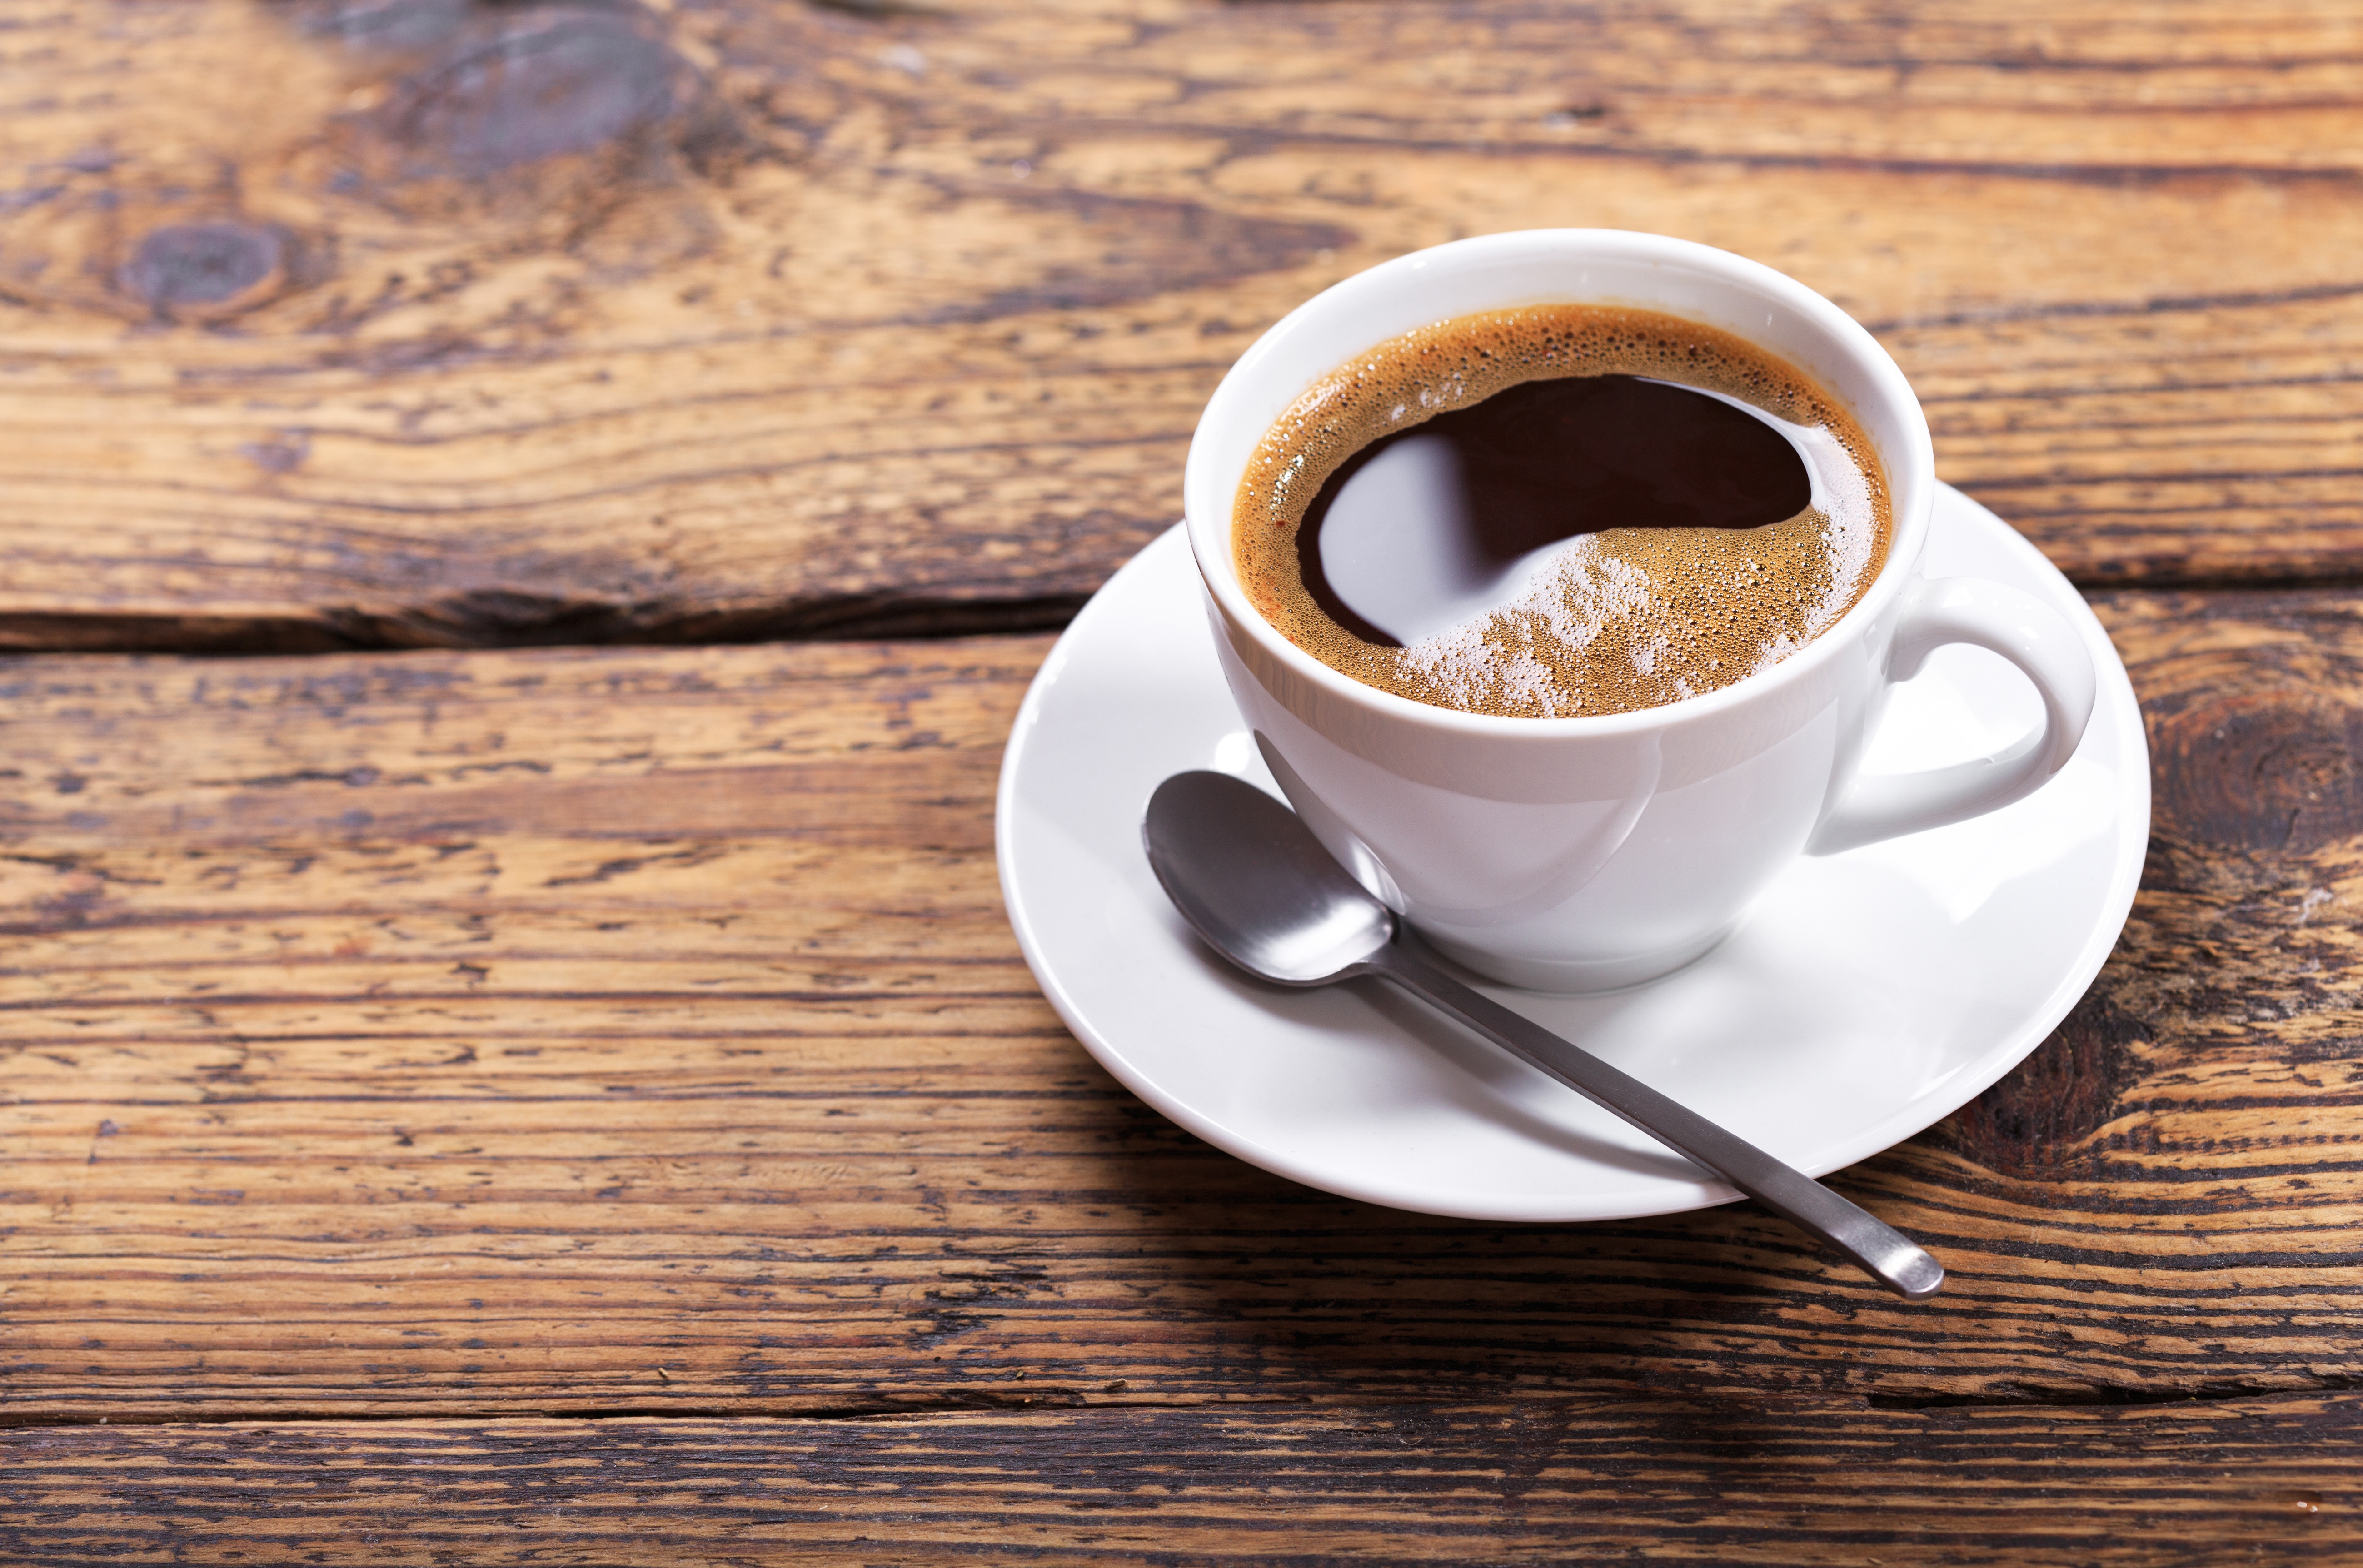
[
  {"x": 2040, "y": 1121},
  {"x": 2261, "y": 770},
  {"x": 206, "y": 268},
  {"x": 547, "y": 84}
]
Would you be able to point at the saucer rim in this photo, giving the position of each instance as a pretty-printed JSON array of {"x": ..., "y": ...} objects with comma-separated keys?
[{"x": 2118, "y": 703}]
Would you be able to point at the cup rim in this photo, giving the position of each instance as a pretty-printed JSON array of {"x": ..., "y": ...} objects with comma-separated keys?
[{"x": 1911, "y": 475}]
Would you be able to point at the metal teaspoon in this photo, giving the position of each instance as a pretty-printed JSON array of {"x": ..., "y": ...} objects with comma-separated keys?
[{"x": 1251, "y": 878}]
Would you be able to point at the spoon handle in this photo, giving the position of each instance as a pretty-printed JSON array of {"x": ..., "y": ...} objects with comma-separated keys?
[{"x": 1891, "y": 1257}]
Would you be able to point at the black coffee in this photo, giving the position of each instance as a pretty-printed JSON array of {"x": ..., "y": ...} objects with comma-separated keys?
[
  {"x": 1560, "y": 509},
  {"x": 1528, "y": 468}
]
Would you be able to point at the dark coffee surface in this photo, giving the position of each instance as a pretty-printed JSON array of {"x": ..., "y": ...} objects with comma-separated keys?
[
  {"x": 1543, "y": 461},
  {"x": 1559, "y": 509}
]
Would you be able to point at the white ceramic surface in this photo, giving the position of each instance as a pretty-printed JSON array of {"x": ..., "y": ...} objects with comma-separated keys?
[
  {"x": 1866, "y": 995},
  {"x": 1584, "y": 853}
]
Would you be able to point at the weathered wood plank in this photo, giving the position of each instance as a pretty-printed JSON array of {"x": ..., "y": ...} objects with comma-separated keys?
[
  {"x": 1519, "y": 1480},
  {"x": 720, "y": 318},
  {"x": 569, "y": 1030}
]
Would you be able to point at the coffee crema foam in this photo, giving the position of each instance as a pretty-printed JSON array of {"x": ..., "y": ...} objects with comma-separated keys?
[{"x": 1606, "y": 621}]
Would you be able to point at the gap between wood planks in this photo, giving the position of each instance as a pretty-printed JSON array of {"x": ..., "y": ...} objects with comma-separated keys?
[
  {"x": 2100, "y": 1397},
  {"x": 1244, "y": 141},
  {"x": 1061, "y": 1401},
  {"x": 32, "y": 637},
  {"x": 861, "y": 619}
]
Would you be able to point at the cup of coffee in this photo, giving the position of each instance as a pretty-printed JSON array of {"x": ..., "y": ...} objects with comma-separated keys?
[{"x": 1562, "y": 576}]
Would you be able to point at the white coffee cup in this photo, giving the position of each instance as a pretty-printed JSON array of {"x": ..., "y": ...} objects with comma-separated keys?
[{"x": 1584, "y": 854}]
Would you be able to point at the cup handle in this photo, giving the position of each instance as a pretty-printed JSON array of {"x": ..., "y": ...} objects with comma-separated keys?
[{"x": 2023, "y": 630}]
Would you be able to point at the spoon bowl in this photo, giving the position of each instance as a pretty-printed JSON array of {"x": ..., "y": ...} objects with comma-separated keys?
[{"x": 1249, "y": 877}]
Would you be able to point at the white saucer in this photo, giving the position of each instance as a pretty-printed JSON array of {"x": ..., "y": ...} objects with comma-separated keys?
[{"x": 1866, "y": 996}]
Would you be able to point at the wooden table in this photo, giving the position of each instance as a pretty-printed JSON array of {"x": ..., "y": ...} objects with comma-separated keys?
[{"x": 525, "y": 526}]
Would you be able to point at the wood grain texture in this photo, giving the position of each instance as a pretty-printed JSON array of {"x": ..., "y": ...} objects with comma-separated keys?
[
  {"x": 1529, "y": 1482},
  {"x": 598, "y": 1029},
  {"x": 719, "y": 319}
]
